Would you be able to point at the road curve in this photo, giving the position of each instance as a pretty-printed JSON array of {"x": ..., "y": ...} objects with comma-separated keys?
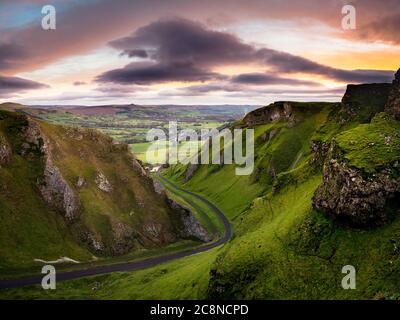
[{"x": 136, "y": 265}]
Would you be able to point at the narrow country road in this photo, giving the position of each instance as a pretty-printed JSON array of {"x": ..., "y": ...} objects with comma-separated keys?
[{"x": 136, "y": 265}]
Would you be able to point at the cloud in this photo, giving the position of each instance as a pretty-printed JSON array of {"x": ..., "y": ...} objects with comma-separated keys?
[
  {"x": 11, "y": 85},
  {"x": 87, "y": 25},
  {"x": 178, "y": 40},
  {"x": 235, "y": 90},
  {"x": 181, "y": 50},
  {"x": 288, "y": 63},
  {"x": 270, "y": 79},
  {"x": 148, "y": 73},
  {"x": 386, "y": 29}
]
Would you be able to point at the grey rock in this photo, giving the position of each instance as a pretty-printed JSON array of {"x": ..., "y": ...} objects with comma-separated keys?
[
  {"x": 123, "y": 238},
  {"x": 102, "y": 182},
  {"x": 5, "y": 152},
  {"x": 54, "y": 189},
  {"x": 272, "y": 113},
  {"x": 81, "y": 182},
  {"x": 349, "y": 195},
  {"x": 159, "y": 188},
  {"x": 57, "y": 193},
  {"x": 191, "y": 226}
]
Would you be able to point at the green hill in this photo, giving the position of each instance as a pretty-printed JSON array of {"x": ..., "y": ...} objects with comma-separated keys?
[
  {"x": 76, "y": 193},
  {"x": 297, "y": 222}
]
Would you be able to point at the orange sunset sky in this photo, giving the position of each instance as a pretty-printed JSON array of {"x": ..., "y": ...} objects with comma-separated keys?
[{"x": 193, "y": 52}]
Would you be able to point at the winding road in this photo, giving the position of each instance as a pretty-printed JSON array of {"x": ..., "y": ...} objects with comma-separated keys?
[{"x": 135, "y": 265}]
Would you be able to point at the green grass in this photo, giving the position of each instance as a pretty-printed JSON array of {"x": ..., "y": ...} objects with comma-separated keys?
[
  {"x": 186, "y": 278},
  {"x": 372, "y": 146}
]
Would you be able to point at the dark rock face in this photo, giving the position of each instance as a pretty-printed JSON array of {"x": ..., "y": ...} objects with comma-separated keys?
[
  {"x": 5, "y": 152},
  {"x": 348, "y": 195},
  {"x": 396, "y": 80},
  {"x": 191, "y": 171},
  {"x": 319, "y": 151},
  {"x": 57, "y": 193},
  {"x": 393, "y": 103},
  {"x": 363, "y": 101},
  {"x": 54, "y": 189},
  {"x": 275, "y": 112},
  {"x": 191, "y": 227},
  {"x": 123, "y": 238}
]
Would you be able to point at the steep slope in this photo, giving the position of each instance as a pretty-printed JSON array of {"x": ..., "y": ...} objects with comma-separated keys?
[
  {"x": 75, "y": 193},
  {"x": 286, "y": 243}
]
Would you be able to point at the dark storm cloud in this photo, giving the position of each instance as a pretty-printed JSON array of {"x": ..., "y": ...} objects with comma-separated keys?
[
  {"x": 9, "y": 85},
  {"x": 183, "y": 50},
  {"x": 183, "y": 41},
  {"x": 139, "y": 73},
  {"x": 270, "y": 79}
]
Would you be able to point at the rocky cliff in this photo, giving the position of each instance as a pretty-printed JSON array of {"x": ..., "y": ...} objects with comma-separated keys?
[
  {"x": 271, "y": 113},
  {"x": 191, "y": 226},
  {"x": 393, "y": 102},
  {"x": 361, "y": 174},
  {"x": 54, "y": 189},
  {"x": 361, "y": 102},
  {"x": 354, "y": 197}
]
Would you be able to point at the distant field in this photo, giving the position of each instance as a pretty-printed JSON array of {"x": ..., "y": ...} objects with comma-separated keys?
[
  {"x": 131, "y": 123},
  {"x": 140, "y": 150}
]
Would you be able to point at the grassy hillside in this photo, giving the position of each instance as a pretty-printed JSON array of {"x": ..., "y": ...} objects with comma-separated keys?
[
  {"x": 284, "y": 248},
  {"x": 116, "y": 210}
]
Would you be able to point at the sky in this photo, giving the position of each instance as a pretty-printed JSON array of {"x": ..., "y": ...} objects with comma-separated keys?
[{"x": 193, "y": 52}]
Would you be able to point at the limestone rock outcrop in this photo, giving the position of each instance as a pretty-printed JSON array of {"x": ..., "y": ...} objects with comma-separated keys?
[
  {"x": 275, "y": 112},
  {"x": 57, "y": 193},
  {"x": 393, "y": 103},
  {"x": 351, "y": 196},
  {"x": 54, "y": 189},
  {"x": 5, "y": 152},
  {"x": 102, "y": 182},
  {"x": 191, "y": 226}
]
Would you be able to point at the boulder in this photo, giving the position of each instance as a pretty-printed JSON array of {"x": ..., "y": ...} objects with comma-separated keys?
[{"x": 351, "y": 196}]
